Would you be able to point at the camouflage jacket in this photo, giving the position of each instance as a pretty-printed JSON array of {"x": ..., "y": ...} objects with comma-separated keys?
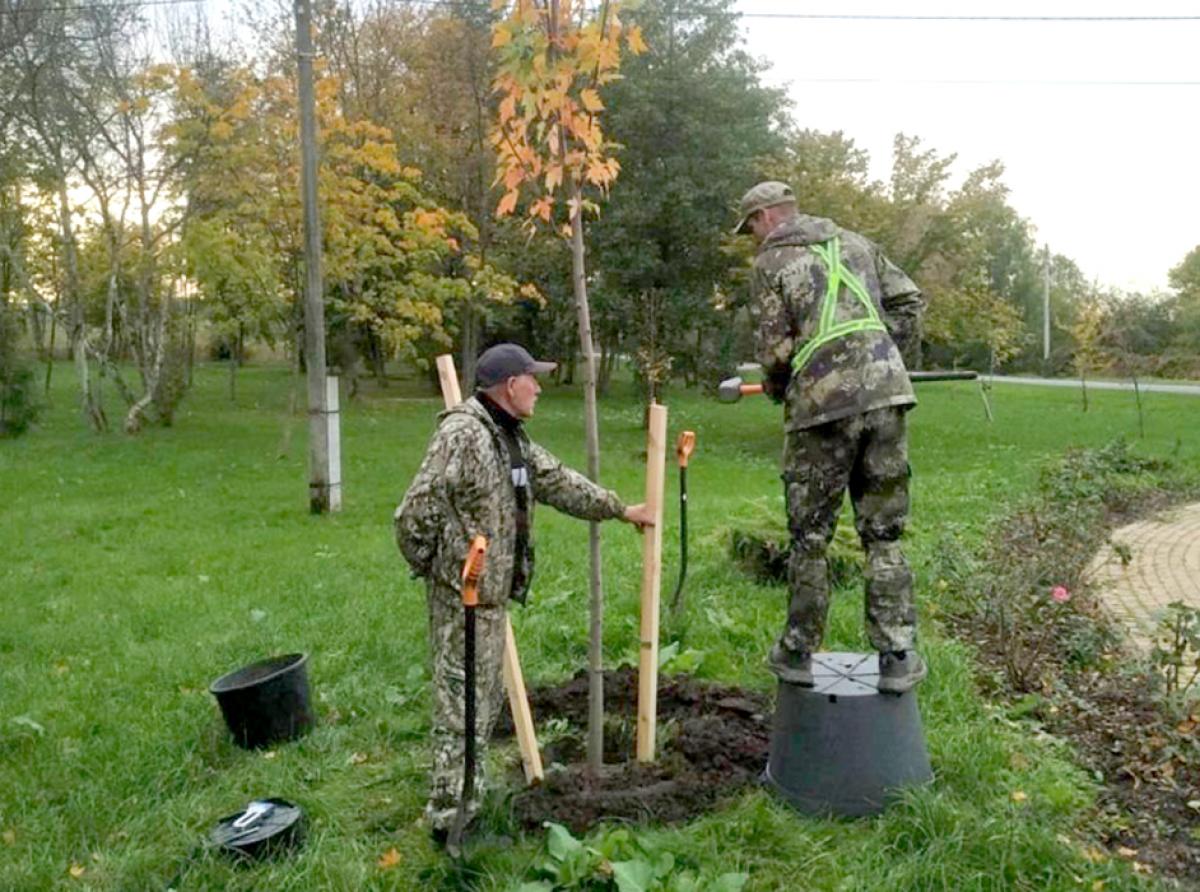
[
  {"x": 855, "y": 373},
  {"x": 464, "y": 488}
]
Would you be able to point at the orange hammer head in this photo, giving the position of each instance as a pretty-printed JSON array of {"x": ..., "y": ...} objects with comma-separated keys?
[
  {"x": 472, "y": 568},
  {"x": 684, "y": 446}
]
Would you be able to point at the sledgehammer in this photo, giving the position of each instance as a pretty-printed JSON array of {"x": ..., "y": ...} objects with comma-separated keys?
[{"x": 732, "y": 389}]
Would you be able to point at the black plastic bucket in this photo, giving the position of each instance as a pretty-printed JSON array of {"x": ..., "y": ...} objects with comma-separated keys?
[
  {"x": 841, "y": 747},
  {"x": 266, "y": 701}
]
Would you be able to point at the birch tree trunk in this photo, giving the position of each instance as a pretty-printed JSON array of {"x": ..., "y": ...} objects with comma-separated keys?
[{"x": 93, "y": 411}]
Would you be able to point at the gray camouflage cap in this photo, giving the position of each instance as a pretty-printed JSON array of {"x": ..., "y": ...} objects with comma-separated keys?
[
  {"x": 764, "y": 195},
  {"x": 504, "y": 361}
]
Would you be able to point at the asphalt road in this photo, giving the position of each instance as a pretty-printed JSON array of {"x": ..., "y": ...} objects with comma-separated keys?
[{"x": 1144, "y": 386}]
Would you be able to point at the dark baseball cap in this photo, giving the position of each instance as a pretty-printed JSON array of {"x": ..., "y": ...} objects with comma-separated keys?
[
  {"x": 764, "y": 195},
  {"x": 504, "y": 361}
]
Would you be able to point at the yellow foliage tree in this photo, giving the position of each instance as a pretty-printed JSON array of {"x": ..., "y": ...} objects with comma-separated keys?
[{"x": 552, "y": 56}]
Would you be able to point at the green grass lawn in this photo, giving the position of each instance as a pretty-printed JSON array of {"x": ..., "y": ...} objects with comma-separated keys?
[{"x": 137, "y": 570}]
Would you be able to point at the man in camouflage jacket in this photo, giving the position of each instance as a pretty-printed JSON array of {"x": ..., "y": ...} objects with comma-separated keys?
[
  {"x": 833, "y": 318},
  {"x": 481, "y": 475}
]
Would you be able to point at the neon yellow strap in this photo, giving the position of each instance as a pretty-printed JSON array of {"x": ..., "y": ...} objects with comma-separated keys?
[{"x": 827, "y": 330}]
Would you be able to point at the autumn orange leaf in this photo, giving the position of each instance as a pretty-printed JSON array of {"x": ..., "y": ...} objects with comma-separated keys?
[
  {"x": 507, "y": 204},
  {"x": 388, "y": 859},
  {"x": 633, "y": 39},
  {"x": 591, "y": 100}
]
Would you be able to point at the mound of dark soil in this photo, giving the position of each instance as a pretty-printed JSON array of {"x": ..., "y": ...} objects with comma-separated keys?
[{"x": 712, "y": 742}]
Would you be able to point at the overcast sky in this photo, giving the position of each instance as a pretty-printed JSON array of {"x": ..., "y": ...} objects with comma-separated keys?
[{"x": 1109, "y": 172}]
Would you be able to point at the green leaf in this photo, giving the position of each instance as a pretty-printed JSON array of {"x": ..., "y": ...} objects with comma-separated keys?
[
  {"x": 664, "y": 863},
  {"x": 666, "y": 654},
  {"x": 632, "y": 876},
  {"x": 729, "y": 882},
  {"x": 561, "y": 844}
]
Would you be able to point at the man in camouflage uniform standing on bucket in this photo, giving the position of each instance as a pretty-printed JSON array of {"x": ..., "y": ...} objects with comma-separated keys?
[
  {"x": 833, "y": 318},
  {"x": 481, "y": 475}
]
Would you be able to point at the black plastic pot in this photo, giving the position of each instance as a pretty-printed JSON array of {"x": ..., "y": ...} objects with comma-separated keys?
[
  {"x": 266, "y": 701},
  {"x": 264, "y": 828},
  {"x": 841, "y": 747}
]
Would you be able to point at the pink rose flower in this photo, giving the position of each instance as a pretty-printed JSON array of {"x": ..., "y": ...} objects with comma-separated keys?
[{"x": 1060, "y": 594}]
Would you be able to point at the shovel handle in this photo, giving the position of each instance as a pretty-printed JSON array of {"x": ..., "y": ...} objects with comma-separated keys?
[
  {"x": 472, "y": 568},
  {"x": 684, "y": 446},
  {"x": 751, "y": 389}
]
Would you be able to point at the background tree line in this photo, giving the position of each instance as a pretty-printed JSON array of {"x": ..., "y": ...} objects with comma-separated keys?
[{"x": 149, "y": 210}]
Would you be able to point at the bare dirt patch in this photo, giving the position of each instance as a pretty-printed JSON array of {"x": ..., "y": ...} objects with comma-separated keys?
[{"x": 713, "y": 742}]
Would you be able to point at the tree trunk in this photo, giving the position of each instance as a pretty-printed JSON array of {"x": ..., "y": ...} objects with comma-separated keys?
[
  {"x": 233, "y": 366},
  {"x": 605, "y": 369},
  {"x": 1137, "y": 394},
  {"x": 152, "y": 374},
  {"x": 470, "y": 346},
  {"x": 595, "y": 740},
  {"x": 93, "y": 410},
  {"x": 50, "y": 353}
]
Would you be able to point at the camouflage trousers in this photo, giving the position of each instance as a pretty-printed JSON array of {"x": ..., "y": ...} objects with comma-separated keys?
[
  {"x": 867, "y": 454},
  {"x": 447, "y": 640}
]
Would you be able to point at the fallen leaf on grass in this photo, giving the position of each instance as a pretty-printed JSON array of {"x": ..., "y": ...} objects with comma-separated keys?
[
  {"x": 1127, "y": 852},
  {"x": 1095, "y": 855},
  {"x": 76, "y": 870},
  {"x": 1019, "y": 796},
  {"x": 270, "y": 754},
  {"x": 358, "y": 758},
  {"x": 1194, "y": 804},
  {"x": 1099, "y": 885},
  {"x": 388, "y": 859},
  {"x": 1139, "y": 867},
  {"x": 26, "y": 722}
]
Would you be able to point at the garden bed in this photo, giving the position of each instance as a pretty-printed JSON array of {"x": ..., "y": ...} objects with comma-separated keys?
[{"x": 1046, "y": 647}]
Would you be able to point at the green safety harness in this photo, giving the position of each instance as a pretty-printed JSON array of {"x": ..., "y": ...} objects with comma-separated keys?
[{"x": 831, "y": 253}]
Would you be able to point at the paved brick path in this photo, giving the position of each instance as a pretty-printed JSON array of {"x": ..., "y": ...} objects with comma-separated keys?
[{"x": 1163, "y": 566}]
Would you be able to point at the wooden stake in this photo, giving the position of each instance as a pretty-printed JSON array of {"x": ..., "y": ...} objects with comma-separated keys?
[
  {"x": 656, "y": 460},
  {"x": 514, "y": 680}
]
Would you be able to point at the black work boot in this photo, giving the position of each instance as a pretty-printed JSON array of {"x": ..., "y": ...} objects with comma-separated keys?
[
  {"x": 792, "y": 666},
  {"x": 900, "y": 671}
]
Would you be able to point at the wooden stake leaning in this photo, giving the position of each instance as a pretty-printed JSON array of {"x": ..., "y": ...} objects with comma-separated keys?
[
  {"x": 656, "y": 460},
  {"x": 514, "y": 680}
]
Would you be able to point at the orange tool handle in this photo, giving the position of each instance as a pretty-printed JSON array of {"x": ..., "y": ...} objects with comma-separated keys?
[
  {"x": 751, "y": 389},
  {"x": 472, "y": 567},
  {"x": 684, "y": 446}
]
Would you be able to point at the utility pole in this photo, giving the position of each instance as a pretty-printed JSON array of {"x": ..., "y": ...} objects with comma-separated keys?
[
  {"x": 1046, "y": 303},
  {"x": 324, "y": 454}
]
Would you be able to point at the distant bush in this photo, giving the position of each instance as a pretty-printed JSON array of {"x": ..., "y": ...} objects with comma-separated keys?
[{"x": 18, "y": 403}]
